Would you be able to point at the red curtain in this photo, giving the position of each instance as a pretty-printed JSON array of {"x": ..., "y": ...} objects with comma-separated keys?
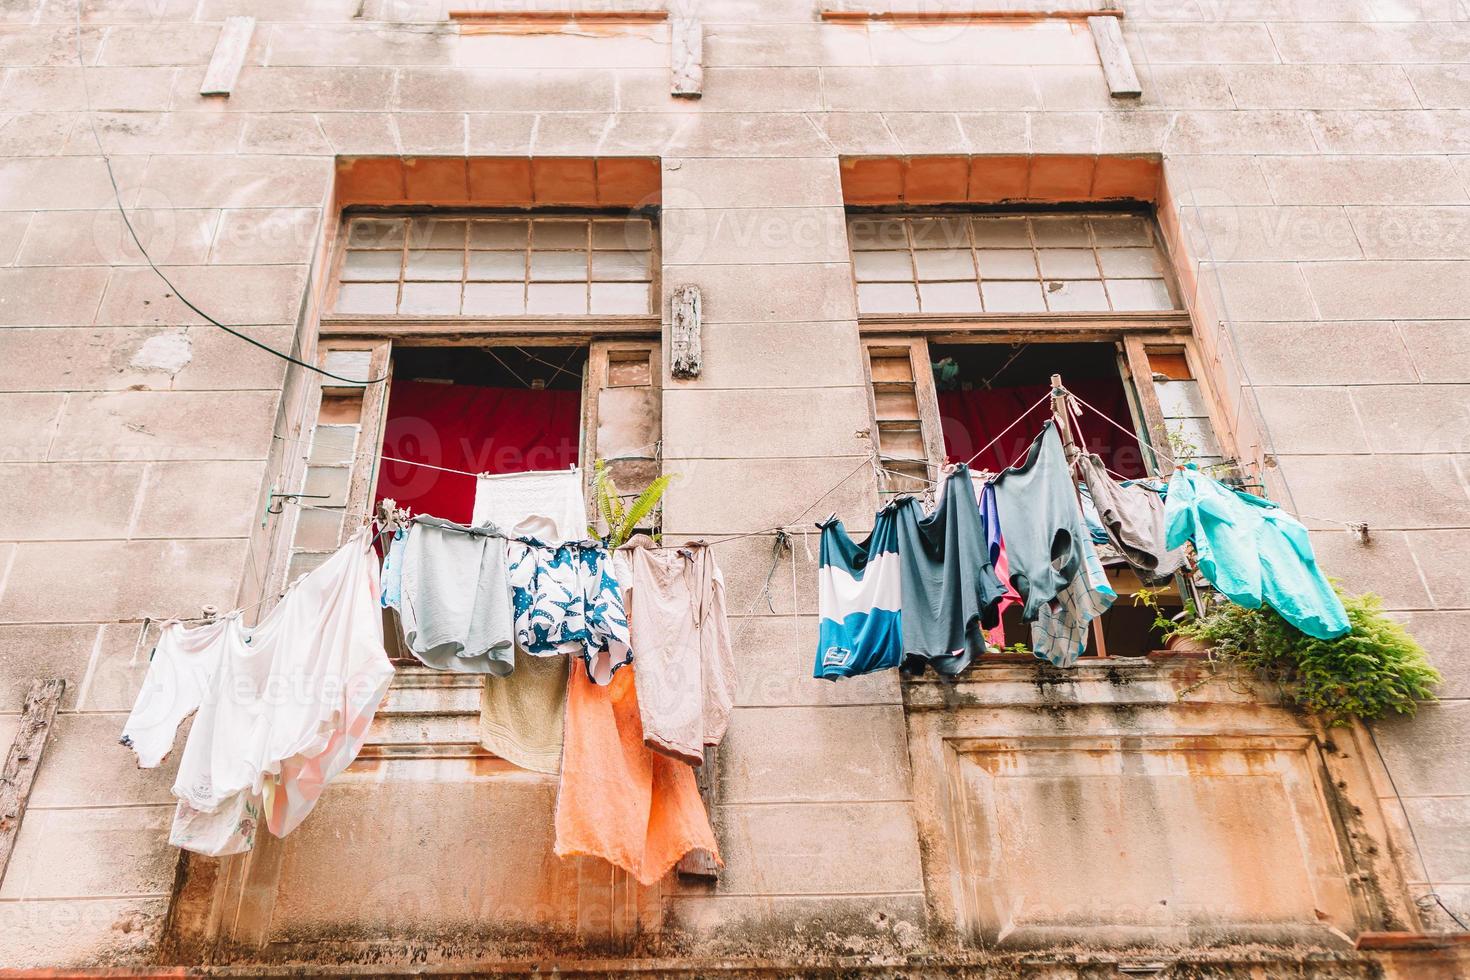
[
  {"x": 474, "y": 429},
  {"x": 970, "y": 419}
]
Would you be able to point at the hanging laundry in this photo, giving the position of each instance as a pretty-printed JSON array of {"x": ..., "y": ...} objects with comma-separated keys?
[
  {"x": 546, "y": 505},
  {"x": 392, "y": 576},
  {"x": 859, "y": 595},
  {"x": 1059, "y": 634},
  {"x": 1252, "y": 552},
  {"x": 995, "y": 545},
  {"x": 949, "y": 588},
  {"x": 455, "y": 605},
  {"x": 686, "y": 668},
  {"x": 252, "y": 754},
  {"x": 521, "y": 715},
  {"x": 619, "y": 800},
  {"x": 1042, "y": 523},
  {"x": 567, "y": 599},
  {"x": 1132, "y": 517}
]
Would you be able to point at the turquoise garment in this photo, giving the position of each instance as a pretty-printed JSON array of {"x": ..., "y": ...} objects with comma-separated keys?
[{"x": 1252, "y": 552}]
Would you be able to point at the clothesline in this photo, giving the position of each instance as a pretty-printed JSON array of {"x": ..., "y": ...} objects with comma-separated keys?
[{"x": 627, "y": 455}]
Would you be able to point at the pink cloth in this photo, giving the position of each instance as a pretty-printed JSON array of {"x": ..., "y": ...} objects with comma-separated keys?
[{"x": 681, "y": 639}]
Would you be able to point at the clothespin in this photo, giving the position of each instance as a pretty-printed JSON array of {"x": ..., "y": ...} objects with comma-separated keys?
[{"x": 826, "y": 520}]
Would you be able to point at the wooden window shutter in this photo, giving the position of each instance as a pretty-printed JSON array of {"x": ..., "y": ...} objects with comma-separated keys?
[
  {"x": 1174, "y": 406},
  {"x": 622, "y": 406},
  {"x": 906, "y": 433}
]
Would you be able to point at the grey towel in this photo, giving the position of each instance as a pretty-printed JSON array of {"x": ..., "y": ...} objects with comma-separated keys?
[
  {"x": 1041, "y": 522},
  {"x": 949, "y": 587},
  {"x": 1133, "y": 516},
  {"x": 456, "y": 601}
]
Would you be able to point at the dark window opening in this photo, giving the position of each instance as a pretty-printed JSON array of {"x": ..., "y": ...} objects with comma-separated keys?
[
  {"x": 981, "y": 389},
  {"x": 477, "y": 410}
]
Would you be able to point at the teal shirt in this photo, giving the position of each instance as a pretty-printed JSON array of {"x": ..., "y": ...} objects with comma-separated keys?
[{"x": 1252, "y": 552}]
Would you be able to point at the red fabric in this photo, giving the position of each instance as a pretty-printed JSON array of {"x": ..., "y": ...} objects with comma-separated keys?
[
  {"x": 475, "y": 429},
  {"x": 970, "y": 419}
]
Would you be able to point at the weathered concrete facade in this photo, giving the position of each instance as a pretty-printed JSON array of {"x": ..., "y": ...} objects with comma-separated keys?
[{"x": 1309, "y": 161}]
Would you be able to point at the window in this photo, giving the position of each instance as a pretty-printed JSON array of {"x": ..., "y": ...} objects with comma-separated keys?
[
  {"x": 966, "y": 317},
  {"x": 989, "y": 263},
  {"x": 496, "y": 266},
  {"x": 563, "y": 369}
]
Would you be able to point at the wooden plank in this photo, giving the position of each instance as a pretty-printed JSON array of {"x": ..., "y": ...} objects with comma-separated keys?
[
  {"x": 229, "y": 56},
  {"x": 453, "y": 330},
  {"x": 1117, "y": 65},
  {"x": 701, "y": 863},
  {"x": 685, "y": 346},
  {"x": 686, "y": 54},
  {"x": 24, "y": 760},
  {"x": 543, "y": 18},
  {"x": 918, "y": 14},
  {"x": 1148, "y": 399}
]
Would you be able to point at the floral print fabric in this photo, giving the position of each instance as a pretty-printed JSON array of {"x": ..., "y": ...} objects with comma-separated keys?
[{"x": 566, "y": 599}]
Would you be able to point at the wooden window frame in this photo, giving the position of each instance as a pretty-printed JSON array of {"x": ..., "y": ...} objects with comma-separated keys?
[{"x": 1132, "y": 336}]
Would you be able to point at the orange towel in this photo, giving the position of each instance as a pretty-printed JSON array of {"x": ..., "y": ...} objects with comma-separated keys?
[{"x": 619, "y": 800}]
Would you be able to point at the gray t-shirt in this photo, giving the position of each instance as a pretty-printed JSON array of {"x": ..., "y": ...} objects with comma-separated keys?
[
  {"x": 1041, "y": 521},
  {"x": 1133, "y": 516},
  {"x": 455, "y": 603},
  {"x": 949, "y": 587}
]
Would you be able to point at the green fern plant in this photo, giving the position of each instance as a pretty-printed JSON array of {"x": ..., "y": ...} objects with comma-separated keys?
[
  {"x": 622, "y": 521},
  {"x": 1376, "y": 668}
]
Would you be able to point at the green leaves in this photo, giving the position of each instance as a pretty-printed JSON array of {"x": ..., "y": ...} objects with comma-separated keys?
[
  {"x": 1375, "y": 669},
  {"x": 622, "y": 521}
]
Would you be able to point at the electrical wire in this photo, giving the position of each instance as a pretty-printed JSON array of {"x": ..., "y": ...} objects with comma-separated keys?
[{"x": 138, "y": 242}]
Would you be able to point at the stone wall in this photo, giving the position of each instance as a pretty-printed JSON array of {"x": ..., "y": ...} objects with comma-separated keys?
[{"x": 1315, "y": 188}]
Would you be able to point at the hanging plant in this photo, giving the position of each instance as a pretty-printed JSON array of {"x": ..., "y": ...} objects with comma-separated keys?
[
  {"x": 1375, "y": 669},
  {"x": 622, "y": 521}
]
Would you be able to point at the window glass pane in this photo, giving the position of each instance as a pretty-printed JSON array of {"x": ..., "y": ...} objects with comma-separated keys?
[
  {"x": 333, "y": 444},
  {"x": 883, "y": 266},
  {"x": 1013, "y": 297},
  {"x": 873, "y": 234},
  {"x": 430, "y": 298},
  {"x": 945, "y": 264},
  {"x": 561, "y": 298},
  {"x": 620, "y": 265},
  {"x": 371, "y": 265},
  {"x": 435, "y": 265},
  {"x": 939, "y": 232},
  {"x": 318, "y": 530},
  {"x": 329, "y": 483},
  {"x": 949, "y": 297},
  {"x": 1120, "y": 230},
  {"x": 1140, "y": 294},
  {"x": 1006, "y": 263},
  {"x": 1060, "y": 231},
  {"x": 1067, "y": 263},
  {"x": 632, "y": 233},
  {"x": 367, "y": 297},
  {"x": 509, "y": 266},
  {"x": 1129, "y": 262},
  {"x": 376, "y": 233},
  {"x": 498, "y": 234},
  {"x": 887, "y": 298},
  {"x": 559, "y": 266},
  {"x": 1074, "y": 296},
  {"x": 494, "y": 299},
  {"x": 620, "y": 297},
  {"x": 1000, "y": 232},
  {"x": 559, "y": 234},
  {"x": 437, "y": 233}
]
